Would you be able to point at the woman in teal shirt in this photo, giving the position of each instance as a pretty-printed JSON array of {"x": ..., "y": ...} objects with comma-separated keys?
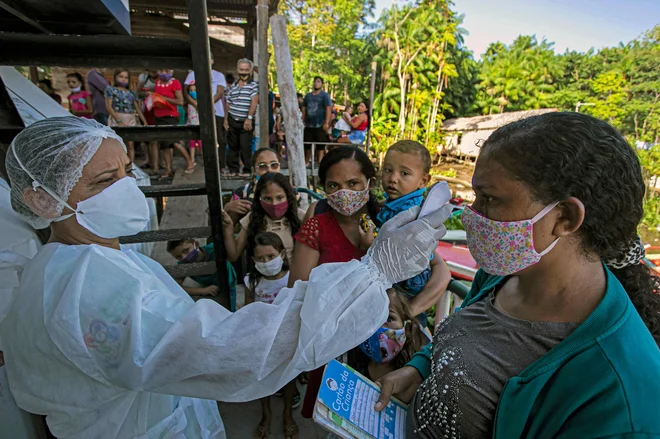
[{"x": 559, "y": 334}]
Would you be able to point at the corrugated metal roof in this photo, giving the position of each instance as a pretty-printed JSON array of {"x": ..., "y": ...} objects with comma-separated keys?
[{"x": 490, "y": 122}]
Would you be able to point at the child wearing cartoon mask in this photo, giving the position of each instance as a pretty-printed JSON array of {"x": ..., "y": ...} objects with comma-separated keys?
[{"x": 393, "y": 345}]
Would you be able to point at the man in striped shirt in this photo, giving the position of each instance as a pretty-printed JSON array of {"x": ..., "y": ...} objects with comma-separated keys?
[{"x": 242, "y": 100}]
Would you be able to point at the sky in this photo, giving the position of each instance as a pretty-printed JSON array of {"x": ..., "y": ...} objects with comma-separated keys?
[{"x": 573, "y": 24}]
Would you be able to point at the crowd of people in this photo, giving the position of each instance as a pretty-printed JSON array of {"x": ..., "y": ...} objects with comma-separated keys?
[{"x": 160, "y": 99}]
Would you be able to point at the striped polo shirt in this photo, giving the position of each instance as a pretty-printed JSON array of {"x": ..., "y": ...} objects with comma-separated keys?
[{"x": 239, "y": 98}]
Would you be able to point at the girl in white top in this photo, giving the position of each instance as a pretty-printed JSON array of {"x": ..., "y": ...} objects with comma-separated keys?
[
  {"x": 271, "y": 272},
  {"x": 263, "y": 283}
]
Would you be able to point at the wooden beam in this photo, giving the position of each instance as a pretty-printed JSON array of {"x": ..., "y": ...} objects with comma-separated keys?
[
  {"x": 262, "y": 62},
  {"x": 19, "y": 11},
  {"x": 199, "y": 40},
  {"x": 290, "y": 110},
  {"x": 180, "y": 4},
  {"x": 94, "y": 51}
]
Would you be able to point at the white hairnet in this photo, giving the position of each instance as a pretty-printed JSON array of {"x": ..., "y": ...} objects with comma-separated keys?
[{"x": 51, "y": 153}]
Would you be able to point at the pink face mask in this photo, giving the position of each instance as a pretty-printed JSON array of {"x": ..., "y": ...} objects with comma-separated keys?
[
  {"x": 503, "y": 248},
  {"x": 275, "y": 211}
]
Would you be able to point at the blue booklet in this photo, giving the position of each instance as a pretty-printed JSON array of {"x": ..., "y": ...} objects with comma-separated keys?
[{"x": 346, "y": 402}]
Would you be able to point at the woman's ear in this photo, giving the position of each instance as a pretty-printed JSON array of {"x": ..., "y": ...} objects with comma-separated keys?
[
  {"x": 41, "y": 203},
  {"x": 571, "y": 218}
]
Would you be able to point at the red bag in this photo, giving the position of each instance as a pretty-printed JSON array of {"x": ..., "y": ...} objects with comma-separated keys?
[{"x": 158, "y": 101}]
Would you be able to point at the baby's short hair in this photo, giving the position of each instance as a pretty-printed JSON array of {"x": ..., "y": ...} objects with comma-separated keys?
[
  {"x": 171, "y": 245},
  {"x": 412, "y": 147}
]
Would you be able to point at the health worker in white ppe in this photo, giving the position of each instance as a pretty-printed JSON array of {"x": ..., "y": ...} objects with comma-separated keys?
[{"x": 107, "y": 345}]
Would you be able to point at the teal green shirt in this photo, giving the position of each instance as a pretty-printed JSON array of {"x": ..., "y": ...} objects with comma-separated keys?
[
  {"x": 603, "y": 380},
  {"x": 212, "y": 279}
]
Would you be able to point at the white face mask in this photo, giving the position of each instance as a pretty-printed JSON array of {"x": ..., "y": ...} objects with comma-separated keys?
[
  {"x": 270, "y": 268},
  {"x": 76, "y": 89},
  {"x": 119, "y": 210}
]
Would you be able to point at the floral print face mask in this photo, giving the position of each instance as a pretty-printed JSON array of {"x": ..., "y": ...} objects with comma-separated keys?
[
  {"x": 503, "y": 248},
  {"x": 346, "y": 202}
]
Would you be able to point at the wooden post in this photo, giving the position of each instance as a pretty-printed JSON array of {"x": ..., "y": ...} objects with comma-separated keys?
[
  {"x": 371, "y": 103},
  {"x": 34, "y": 75},
  {"x": 201, "y": 51},
  {"x": 290, "y": 110},
  {"x": 262, "y": 40}
]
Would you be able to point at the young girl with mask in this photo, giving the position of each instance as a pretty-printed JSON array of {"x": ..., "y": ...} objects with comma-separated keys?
[
  {"x": 123, "y": 106},
  {"x": 80, "y": 101},
  {"x": 559, "y": 334},
  {"x": 192, "y": 118},
  {"x": 269, "y": 276},
  {"x": 393, "y": 345},
  {"x": 336, "y": 236},
  {"x": 275, "y": 209}
]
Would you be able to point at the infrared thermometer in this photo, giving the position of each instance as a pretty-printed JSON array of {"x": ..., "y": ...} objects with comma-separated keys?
[{"x": 438, "y": 196}]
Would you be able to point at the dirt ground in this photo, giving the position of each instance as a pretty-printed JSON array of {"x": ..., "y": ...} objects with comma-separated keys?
[{"x": 463, "y": 173}]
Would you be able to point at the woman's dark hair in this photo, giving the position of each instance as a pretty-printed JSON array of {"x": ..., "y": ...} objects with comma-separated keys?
[
  {"x": 47, "y": 83},
  {"x": 562, "y": 155},
  {"x": 260, "y": 151},
  {"x": 78, "y": 76},
  {"x": 271, "y": 239},
  {"x": 258, "y": 219},
  {"x": 117, "y": 72},
  {"x": 340, "y": 153}
]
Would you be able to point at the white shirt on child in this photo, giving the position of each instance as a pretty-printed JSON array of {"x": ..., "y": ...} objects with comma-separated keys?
[
  {"x": 217, "y": 78},
  {"x": 342, "y": 125},
  {"x": 266, "y": 290}
]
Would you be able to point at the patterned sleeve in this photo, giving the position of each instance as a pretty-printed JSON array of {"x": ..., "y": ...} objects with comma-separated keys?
[
  {"x": 309, "y": 233},
  {"x": 108, "y": 92}
]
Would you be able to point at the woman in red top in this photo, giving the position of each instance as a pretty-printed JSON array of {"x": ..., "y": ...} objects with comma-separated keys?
[
  {"x": 335, "y": 236},
  {"x": 167, "y": 96},
  {"x": 359, "y": 123}
]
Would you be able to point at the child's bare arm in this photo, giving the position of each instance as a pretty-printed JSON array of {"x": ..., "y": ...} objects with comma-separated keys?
[
  {"x": 435, "y": 287},
  {"x": 233, "y": 246},
  {"x": 201, "y": 291},
  {"x": 249, "y": 295}
]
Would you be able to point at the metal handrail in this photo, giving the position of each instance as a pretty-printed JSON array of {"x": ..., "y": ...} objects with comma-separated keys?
[{"x": 310, "y": 192}]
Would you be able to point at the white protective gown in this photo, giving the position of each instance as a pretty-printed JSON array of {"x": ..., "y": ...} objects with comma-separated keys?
[{"x": 102, "y": 340}]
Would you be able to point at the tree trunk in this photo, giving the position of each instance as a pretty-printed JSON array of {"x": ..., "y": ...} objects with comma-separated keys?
[
  {"x": 290, "y": 111},
  {"x": 402, "y": 106},
  {"x": 262, "y": 38}
]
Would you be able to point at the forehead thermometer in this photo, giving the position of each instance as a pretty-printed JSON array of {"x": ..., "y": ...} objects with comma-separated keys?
[{"x": 438, "y": 196}]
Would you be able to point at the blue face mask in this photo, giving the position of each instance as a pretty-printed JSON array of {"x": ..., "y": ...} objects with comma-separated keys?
[
  {"x": 385, "y": 344},
  {"x": 190, "y": 257},
  {"x": 193, "y": 94}
]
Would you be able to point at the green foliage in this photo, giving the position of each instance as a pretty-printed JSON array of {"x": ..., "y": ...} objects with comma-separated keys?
[
  {"x": 425, "y": 74},
  {"x": 454, "y": 223},
  {"x": 451, "y": 172}
]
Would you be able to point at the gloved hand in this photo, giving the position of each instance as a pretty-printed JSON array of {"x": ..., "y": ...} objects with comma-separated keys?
[{"x": 404, "y": 244}]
